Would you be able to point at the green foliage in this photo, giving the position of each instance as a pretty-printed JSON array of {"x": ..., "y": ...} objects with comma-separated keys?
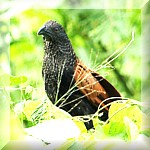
[
  {"x": 121, "y": 126},
  {"x": 16, "y": 80},
  {"x": 124, "y": 122},
  {"x": 125, "y": 110},
  {"x": 95, "y": 35}
]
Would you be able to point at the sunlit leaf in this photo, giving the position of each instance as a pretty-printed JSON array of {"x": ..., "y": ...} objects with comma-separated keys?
[
  {"x": 118, "y": 111},
  {"x": 116, "y": 129},
  {"x": 30, "y": 107},
  {"x": 54, "y": 130},
  {"x": 80, "y": 125}
]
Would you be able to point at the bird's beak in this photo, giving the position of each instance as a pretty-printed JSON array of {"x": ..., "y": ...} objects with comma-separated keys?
[{"x": 42, "y": 30}]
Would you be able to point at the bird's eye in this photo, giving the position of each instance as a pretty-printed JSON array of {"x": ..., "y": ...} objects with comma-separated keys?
[{"x": 56, "y": 29}]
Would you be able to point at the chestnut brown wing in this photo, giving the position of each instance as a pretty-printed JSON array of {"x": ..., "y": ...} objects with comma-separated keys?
[{"x": 93, "y": 86}]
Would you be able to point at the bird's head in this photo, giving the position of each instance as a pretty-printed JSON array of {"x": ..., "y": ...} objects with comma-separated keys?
[{"x": 53, "y": 32}]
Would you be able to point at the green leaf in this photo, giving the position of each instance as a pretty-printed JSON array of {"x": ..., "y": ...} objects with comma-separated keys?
[
  {"x": 16, "y": 80},
  {"x": 30, "y": 107},
  {"x": 100, "y": 133},
  {"x": 125, "y": 121},
  {"x": 97, "y": 122},
  {"x": 118, "y": 111},
  {"x": 115, "y": 129},
  {"x": 80, "y": 125}
]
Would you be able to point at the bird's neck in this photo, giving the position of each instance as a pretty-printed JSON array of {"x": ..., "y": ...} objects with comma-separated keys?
[
  {"x": 60, "y": 52},
  {"x": 55, "y": 47}
]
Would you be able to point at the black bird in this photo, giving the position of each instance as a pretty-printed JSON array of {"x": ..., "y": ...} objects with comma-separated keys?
[{"x": 69, "y": 84}]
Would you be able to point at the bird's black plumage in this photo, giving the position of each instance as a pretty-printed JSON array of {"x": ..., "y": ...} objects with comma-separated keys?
[{"x": 68, "y": 82}]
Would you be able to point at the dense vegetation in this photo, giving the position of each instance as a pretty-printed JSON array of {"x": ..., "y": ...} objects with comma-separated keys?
[{"x": 96, "y": 35}]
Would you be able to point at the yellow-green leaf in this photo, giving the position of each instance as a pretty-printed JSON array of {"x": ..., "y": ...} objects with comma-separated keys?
[{"x": 118, "y": 111}]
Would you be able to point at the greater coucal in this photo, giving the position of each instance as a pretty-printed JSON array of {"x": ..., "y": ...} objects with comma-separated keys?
[{"x": 69, "y": 84}]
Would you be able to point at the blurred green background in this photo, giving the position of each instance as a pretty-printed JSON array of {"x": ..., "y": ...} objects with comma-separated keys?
[{"x": 95, "y": 35}]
